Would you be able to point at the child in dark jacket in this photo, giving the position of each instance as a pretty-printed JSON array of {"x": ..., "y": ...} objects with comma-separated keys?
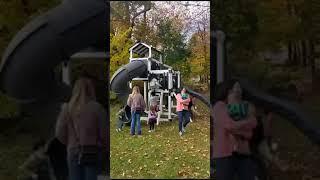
[
  {"x": 37, "y": 166},
  {"x": 121, "y": 115}
]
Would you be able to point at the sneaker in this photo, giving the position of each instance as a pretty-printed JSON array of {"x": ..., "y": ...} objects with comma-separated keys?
[
  {"x": 150, "y": 131},
  {"x": 190, "y": 120},
  {"x": 118, "y": 130},
  {"x": 180, "y": 133}
]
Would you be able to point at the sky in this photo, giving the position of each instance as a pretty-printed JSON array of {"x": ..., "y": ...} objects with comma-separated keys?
[
  {"x": 196, "y": 10},
  {"x": 192, "y": 11}
]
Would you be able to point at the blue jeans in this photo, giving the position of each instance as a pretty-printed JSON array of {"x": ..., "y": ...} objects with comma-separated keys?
[
  {"x": 184, "y": 118},
  {"x": 82, "y": 172},
  {"x": 135, "y": 119},
  {"x": 227, "y": 168}
]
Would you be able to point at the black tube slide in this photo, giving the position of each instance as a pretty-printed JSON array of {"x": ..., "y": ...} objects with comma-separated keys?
[
  {"x": 291, "y": 111},
  {"x": 199, "y": 96},
  {"x": 28, "y": 62},
  {"x": 120, "y": 80}
]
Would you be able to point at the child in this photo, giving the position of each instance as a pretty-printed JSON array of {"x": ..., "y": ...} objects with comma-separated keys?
[
  {"x": 237, "y": 111},
  {"x": 154, "y": 101},
  {"x": 152, "y": 117},
  {"x": 121, "y": 117},
  {"x": 191, "y": 107},
  {"x": 263, "y": 144},
  {"x": 37, "y": 166},
  {"x": 184, "y": 97}
]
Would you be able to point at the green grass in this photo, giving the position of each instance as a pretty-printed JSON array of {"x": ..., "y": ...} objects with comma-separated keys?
[
  {"x": 295, "y": 148},
  {"x": 13, "y": 152},
  {"x": 163, "y": 153}
]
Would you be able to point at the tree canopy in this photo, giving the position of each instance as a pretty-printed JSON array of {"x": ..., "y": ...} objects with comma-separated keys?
[{"x": 180, "y": 30}]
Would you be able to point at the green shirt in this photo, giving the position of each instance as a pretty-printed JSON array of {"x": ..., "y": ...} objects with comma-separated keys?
[{"x": 238, "y": 111}]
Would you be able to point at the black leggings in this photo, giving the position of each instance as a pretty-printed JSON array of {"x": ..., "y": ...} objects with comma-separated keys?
[{"x": 151, "y": 124}]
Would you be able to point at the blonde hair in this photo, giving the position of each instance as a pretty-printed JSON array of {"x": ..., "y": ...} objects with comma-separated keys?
[
  {"x": 82, "y": 93},
  {"x": 135, "y": 91}
]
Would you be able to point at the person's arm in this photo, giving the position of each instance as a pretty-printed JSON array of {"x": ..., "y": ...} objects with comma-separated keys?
[
  {"x": 61, "y": 129},
  {"x": 120, "y": 112},
  {"x": 246, "y": 132},
  {"x": 221, "y": 117},
  {"x": 179, "y": 99},
  {"x": 129, "y": 101},
  {"x": 143, "y": 104}
]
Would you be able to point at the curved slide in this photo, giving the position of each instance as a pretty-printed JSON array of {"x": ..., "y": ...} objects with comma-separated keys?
[
  {"x": 199, "y": 96},
  {"x": 119, "y": 81},
  {"x": 27, "y": 66},
  {"x": 292, "y": 112}
]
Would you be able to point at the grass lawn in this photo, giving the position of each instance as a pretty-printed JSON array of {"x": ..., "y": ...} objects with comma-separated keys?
[
  {"x": 296, "y": 149},
  {"x": 13, "y": 152},
  {"x": 163, "y": 153}
]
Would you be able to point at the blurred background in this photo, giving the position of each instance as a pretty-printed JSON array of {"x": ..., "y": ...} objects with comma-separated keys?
[{"x": 275, "y": 44}]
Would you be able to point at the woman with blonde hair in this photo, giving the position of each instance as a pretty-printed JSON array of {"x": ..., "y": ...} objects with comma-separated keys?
[
  {"x": 137, "y": 104},
  {"x": 80, "y": 126}
]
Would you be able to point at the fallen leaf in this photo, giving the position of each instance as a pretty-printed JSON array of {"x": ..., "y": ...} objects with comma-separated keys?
[{"x": 157, "y": 164}]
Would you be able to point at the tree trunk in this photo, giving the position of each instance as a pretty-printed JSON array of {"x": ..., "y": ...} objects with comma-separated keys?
[
  {"x": 312, "y": 63},
  {"x": 299, "y": 53},
  {"x": 289, "y": 52},
  {"x": 304, "y": 53},
  {"x": 127, "y": 17},
  {"x": 294, "y": 53}
]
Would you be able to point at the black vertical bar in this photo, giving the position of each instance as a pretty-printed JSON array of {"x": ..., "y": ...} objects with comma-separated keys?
[
  {"x": 107, "y": 42},
  {"x": 213, "y": 80}
]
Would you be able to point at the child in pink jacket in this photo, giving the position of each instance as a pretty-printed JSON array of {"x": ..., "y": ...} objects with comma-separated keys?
[{"x": 182, "y": 111}]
